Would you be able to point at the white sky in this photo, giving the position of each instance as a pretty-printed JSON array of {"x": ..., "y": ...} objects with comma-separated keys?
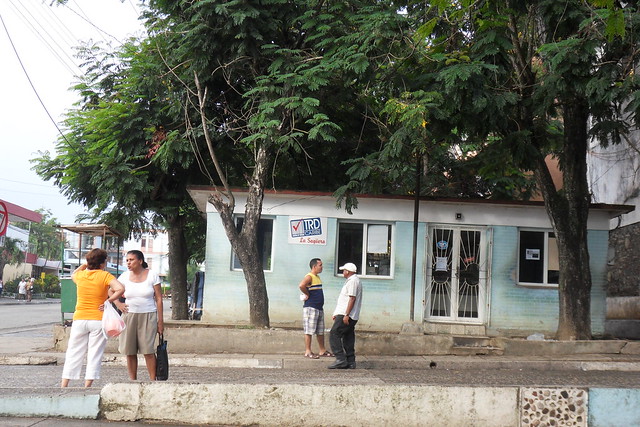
[{"x": 44, "y": 37}]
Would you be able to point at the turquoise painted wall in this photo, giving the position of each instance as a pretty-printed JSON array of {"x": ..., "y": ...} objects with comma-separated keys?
[
  {"x": 516, "y": 307},
  {"x": 386, "y": 302},
  {"x": 614, "y": 407}
]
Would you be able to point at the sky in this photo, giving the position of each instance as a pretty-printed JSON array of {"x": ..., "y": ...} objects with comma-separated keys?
[{"x": 35, "y": 82}]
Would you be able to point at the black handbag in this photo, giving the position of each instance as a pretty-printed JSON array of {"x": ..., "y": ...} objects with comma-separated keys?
[{"x": 162, "y": 360}]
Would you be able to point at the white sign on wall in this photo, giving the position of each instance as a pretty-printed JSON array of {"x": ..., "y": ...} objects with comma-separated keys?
[
  {"x": 532, "y": 254},
  {"x": 308, "y": 231}
]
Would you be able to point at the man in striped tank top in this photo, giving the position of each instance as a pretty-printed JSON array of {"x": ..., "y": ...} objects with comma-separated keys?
[{"x": 313, "y": 309}]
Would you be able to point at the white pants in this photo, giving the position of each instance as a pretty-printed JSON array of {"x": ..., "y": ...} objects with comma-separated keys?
[{"x": 86, "y": 338}]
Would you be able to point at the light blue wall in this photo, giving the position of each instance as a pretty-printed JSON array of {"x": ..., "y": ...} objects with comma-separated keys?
[
  {"x": 614, "y": 407},
  {"x": 533, "y": 309},
  {"x": 386, "y": 302}
]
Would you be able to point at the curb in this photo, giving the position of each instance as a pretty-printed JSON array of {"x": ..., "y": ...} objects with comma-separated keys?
[{"x": 364, "y": 362}]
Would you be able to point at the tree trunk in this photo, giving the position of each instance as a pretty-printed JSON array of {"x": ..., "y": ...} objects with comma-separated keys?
[
  {"x": 245, "y": 242},
  {"x": 178, "y": 256},
  {"x": 568, "y": 210}
]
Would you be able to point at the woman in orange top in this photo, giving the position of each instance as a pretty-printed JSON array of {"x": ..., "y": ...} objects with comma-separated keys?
[{"x": 92, "y": 284}]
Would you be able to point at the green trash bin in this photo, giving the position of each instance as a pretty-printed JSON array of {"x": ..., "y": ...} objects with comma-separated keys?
[{"x": 68, "y": 297}]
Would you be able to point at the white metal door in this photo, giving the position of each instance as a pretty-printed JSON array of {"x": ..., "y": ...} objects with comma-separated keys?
[{"x": 456, "y": 274}]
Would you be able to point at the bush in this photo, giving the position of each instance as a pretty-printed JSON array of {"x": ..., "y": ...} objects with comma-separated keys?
[
  {"x": 50, "y": 284},
  {"x": 12, "y": 286}
]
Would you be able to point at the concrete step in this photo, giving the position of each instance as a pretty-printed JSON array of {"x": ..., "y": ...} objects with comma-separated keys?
[{"x": 474, "y": 350}]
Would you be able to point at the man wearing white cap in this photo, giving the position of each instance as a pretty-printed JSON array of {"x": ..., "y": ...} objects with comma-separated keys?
[{"x": 345, "y": 316}]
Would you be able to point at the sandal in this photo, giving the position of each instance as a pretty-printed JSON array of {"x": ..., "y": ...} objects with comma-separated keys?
[
  {"x": 312, "y": 356},
  {"x": 327, "y": 354}
]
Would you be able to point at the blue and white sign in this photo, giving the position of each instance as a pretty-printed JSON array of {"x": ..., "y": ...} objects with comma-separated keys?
[
  {"x": 442, "y": 245},
  {"x": 308, "y": 231}
]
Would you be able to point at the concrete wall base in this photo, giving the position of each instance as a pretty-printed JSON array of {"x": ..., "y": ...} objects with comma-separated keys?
[
  {"x": 366, "y": 405},
  {"x": 202, "y": 339},
  {"x": 319, "y": 405}
]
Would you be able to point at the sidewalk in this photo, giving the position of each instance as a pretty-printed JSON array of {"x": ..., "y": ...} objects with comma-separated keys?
[
  {"x": 247, "y": 389},
  {"x": 568, "y": 386}
]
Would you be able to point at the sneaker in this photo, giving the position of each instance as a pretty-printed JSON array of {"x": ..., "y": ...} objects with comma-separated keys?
[
  {"x": 338, "y": 364},
  {"x": 351, "y": 365}
]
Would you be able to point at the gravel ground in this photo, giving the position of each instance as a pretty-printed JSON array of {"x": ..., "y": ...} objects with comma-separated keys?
[{"x": 35, "y": 379}]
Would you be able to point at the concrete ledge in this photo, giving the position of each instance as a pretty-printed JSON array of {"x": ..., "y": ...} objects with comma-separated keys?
[
  {"x": 206, "y": 340},
  {"x": 313, "y": 405},
  {"x": 523, "y": 347},
  {"x": 623, "y": 308},
  {"x": 632, "y": 347},
  {"x": 621, "y": 328},
  {"x": 28, "y": 360}
]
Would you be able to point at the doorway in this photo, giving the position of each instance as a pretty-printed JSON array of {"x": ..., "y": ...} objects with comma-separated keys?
[{"x": 456, "y": 288}]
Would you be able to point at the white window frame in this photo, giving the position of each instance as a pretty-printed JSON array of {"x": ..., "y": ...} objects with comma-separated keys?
[
  {"x": 362, "y": 262},
  {"x": 545, "y": 267},
  {"x": 273, "y": 228}
]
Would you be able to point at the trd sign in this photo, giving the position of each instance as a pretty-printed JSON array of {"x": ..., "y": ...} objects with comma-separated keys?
[{"x": 310, "y": 231}]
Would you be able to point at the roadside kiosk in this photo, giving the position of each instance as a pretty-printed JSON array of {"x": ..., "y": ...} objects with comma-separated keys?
[{"x": 111, "y": 241}]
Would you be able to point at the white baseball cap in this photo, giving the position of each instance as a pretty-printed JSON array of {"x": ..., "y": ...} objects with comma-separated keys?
[{"x": 349, "y": 267}]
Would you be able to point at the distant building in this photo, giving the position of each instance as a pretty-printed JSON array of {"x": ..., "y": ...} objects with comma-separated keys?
[
  {"x": 155, "y": 247},
  {"x": 20, "y": 214}
]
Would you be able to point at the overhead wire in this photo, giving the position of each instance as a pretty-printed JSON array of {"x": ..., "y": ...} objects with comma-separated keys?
[
  {"x": 30, "y": 81},
  {"x": 44, "y": 40},
  {"x": 35, "y": 25},
  {"x": 85, "y": 18},
  {"x": 52, "y": 18}
]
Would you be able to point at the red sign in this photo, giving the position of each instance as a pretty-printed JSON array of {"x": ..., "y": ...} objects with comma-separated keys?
[{"x": 4, "y": 218}]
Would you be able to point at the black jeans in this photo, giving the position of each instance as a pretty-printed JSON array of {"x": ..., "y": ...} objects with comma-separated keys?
[{"x": 343, "y": 339}]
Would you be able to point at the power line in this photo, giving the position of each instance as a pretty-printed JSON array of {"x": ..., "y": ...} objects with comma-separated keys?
[
  {"x": 31, "y": 83},
  {"x": 25, "y": 183},
  {"x": 85, "y": 18},
  {"x": 55, "y": 22},
  {"x": 44, "y": 40}
]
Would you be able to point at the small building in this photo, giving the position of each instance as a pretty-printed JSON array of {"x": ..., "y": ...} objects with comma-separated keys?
[
  {"x": 481, "y": 267},
  {"x": 18, "y": 214}
]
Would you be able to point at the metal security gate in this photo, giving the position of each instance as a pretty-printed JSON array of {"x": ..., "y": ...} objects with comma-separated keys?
[{"x": 456, "y": 274}]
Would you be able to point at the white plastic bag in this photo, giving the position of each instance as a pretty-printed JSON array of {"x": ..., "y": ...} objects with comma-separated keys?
[
  {"x": 112, "y": 323},
  {"x": 536, "y": 337}
]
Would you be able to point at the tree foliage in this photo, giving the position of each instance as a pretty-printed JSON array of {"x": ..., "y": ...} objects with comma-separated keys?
[
  {"x": 11, "y": 253},
  {"x": 272, "y": 82},
  {"x": 125, "y": 154},
  {"x": 45, "y": 239},
  {"x": 517, "y": 81}
]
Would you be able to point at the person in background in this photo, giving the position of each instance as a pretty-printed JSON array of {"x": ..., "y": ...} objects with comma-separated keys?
[
  {"x": 94, "y": 285},
  {"x": 313, "y": 309},
  {"x": 1, "y": 287},
  {"x": 29, "y": 285},
  {"x": 22, "y": 289},
  {"x": 141, "y": 312},
  {"x": 345, "y": 316}
]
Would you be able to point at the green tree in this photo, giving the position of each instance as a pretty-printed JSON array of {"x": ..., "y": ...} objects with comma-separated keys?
[
  {"x": 270, "y": 79},
  {"x": 45, "y": 239},
  {"x": 523, "y": 80},
  {"x": 11, "y": 253},
  {"x": 125, "y": 154}
]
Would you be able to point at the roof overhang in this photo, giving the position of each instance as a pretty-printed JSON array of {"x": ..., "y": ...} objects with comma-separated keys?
[
  {"x": 95, "y": 230},
  {"x": 201, "y": 193}
]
